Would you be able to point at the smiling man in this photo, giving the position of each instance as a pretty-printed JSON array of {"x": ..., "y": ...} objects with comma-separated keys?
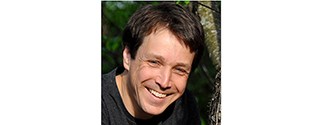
[{"x": 162, "y": 46}]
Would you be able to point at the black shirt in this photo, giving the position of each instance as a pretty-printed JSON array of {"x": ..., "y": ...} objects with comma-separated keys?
[{"x": 183, "y": 111}]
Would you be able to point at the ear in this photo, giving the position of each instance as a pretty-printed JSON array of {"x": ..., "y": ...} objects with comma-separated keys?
[{"x": 126, "y": 58}]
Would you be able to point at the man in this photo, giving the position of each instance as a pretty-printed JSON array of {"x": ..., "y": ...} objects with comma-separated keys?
[{"x": 162, "y": 46}]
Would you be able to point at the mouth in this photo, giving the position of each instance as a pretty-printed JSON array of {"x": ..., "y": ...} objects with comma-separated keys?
[{"x": 157, "y": 94}]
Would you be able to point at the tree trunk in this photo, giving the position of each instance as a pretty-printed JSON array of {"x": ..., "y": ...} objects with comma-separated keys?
[
  {"x": 210, "y": 18},
  {"x": 215, "y": 103},
  {"x": 209, "y": 12}
]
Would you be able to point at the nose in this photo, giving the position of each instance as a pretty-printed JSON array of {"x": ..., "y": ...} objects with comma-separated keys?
[{"x": 164, "y": 78}]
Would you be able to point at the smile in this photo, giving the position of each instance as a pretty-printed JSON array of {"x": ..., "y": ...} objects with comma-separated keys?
[{"x": 157, "y": 94}]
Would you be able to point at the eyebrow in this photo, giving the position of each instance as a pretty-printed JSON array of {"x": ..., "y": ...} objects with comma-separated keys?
[
  {"x": 152, "y": 55},
  {"x": 186, "y": 66},
  {"x": 162, "y": 59}
]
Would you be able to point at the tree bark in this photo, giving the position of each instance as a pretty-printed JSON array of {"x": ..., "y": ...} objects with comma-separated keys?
[
  {"x": 209, "y": 13},
  {"x": 215, "y": 103}
]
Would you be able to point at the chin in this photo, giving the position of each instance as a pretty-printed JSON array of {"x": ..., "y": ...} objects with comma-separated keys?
[{"x": 154, "y": 110}]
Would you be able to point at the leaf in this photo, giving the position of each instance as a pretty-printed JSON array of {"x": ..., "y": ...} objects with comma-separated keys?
[{"x": 186, "y": 2}]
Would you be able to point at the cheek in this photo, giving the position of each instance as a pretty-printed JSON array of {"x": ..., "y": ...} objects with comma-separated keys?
[
  {"x": 144, "y": 73},
  {"x": 180, "y": 83}
]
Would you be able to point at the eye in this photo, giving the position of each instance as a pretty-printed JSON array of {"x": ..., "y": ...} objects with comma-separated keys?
[
  {"x": 153, "y": 63},
  {"x": 181, "y": 71}
]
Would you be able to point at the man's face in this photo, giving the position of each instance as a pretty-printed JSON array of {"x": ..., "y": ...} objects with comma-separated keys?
[{"x": 158, "y": 74}]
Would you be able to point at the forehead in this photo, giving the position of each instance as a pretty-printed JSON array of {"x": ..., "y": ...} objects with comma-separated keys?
[
  {"x": 163, "y": 36},
  {"x": 164, "y": 43},
  {"x": 159, "y": 29}
]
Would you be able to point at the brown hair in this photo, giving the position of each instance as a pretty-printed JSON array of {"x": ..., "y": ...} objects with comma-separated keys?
[{"x": 180, "y": 21}]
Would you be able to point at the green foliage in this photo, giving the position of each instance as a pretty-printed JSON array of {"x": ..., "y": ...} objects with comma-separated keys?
[
  {"x": 115, "y": 15},
  {"x": 182, "y": 2},
  {"x": 203, "y": 121}
]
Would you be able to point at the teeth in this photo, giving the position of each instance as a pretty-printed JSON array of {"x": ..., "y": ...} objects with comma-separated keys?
[{"x": 157, "y": 94}]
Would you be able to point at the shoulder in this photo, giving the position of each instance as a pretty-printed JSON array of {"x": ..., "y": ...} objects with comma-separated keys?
[
  {"x": 107, "y": 98},
  {"x": 109, "y": 80},
  {"x": 109, "y": 77},
  {"x": 189, "y": 101},
  {"x": 112, "y": 107}
]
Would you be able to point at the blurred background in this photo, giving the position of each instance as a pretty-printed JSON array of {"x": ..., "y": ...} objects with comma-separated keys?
[{"x": 114, "y": 18}]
